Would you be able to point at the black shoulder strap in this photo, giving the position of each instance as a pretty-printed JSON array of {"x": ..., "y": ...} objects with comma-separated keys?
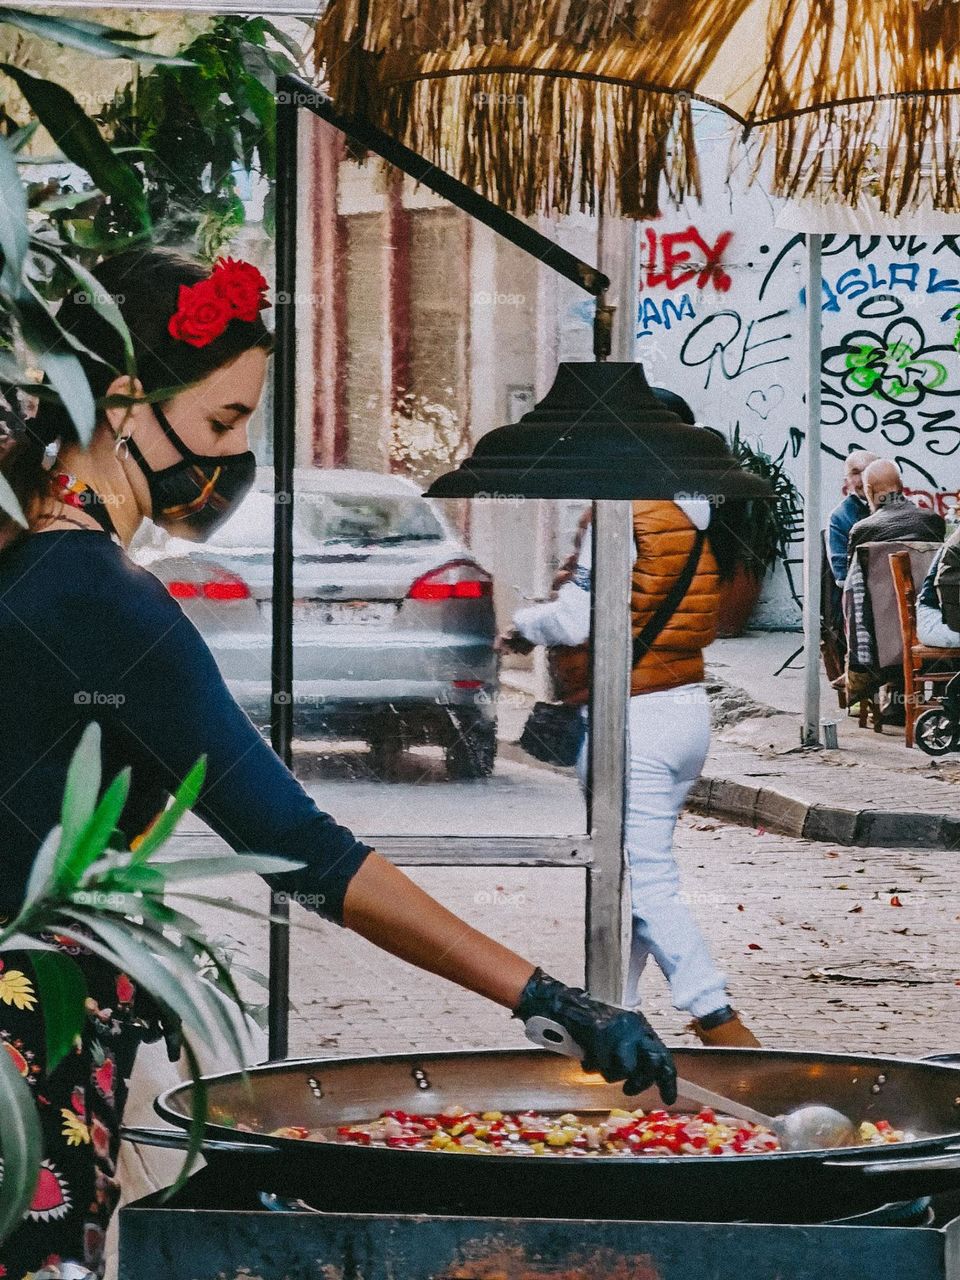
[{"x": 643, "y": 642}]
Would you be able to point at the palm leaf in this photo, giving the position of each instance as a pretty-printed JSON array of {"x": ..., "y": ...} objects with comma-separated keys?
[
  {"x": 21, "y": 1145},
  {"x": 234, "y": 864},
  {"x": 198, "y": 1120},
  {"x": 10, "y": 503},
  {"x": 80, "y": 140},
  {"x": 114, "y": 944},
  {"x": 101, "y": 302},
  {"x": 14, "y": 234},
  {"x": 42, "y": 333},
  {"x": 62, "y": 993},
  {"x": 184, "y": 799},
  {"x": 96, "y": 832},
  {"x": 80, "y": 794},
  {"x": 89, "y": 37}
]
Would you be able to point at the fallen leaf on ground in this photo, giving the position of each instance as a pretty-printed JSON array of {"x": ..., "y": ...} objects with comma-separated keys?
[
  {"x": 853, "y": 911},
  {"x": 754, "y": 946},
  {"x": 740, "y": 906},
  {"x": 895, "y": 901}
]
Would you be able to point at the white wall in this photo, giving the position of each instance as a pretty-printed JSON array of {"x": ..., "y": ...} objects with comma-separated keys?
[{"x": 720, "y": 319}]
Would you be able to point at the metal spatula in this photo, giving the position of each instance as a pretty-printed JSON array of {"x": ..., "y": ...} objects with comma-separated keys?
[{"x": 808, "y": 1128}]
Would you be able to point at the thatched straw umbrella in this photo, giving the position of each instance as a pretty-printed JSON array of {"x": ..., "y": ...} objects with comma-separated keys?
[{"x": 546, "y": 106}]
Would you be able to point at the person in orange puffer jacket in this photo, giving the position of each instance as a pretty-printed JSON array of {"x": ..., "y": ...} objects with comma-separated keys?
[{"x": 669, "y": 732}]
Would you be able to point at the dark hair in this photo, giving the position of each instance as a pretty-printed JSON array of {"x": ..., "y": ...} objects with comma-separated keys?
[
  {"x": 145, "y": 284},
  {"x": 676, "y": 404},
  {"x": 727, "y": 535}
]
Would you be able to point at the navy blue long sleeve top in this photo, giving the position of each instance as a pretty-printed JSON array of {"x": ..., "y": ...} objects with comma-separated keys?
[{"x": 87, "y": 635}]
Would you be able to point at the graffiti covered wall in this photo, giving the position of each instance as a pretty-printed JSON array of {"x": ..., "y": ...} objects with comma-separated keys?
[{"x": 721, "y": 319}]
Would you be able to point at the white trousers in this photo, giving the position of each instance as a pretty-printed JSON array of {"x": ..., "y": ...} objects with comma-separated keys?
[{"x": 669, "y": 733}]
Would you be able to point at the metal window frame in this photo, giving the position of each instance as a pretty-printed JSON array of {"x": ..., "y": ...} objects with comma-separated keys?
[{"x": 598, "y": 853}]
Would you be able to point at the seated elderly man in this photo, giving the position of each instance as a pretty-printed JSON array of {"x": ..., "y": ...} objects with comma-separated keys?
[
  {"x": 938, "y": 615},
  {"x": 844, "y": 516},
  {"x": 893, "y": 517}
]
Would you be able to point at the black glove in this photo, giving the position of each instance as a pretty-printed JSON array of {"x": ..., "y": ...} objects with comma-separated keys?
[{"x": 618, "y": 1043}]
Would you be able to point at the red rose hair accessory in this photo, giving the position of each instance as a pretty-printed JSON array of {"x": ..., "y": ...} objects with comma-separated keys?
[{"x": 234, "y": 290}]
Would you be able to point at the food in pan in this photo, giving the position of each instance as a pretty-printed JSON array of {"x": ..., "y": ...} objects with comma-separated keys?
[{"x": 614, "y": 1132}]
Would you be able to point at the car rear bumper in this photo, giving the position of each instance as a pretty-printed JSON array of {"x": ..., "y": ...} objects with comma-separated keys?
[{"x": 344, "y": 714}]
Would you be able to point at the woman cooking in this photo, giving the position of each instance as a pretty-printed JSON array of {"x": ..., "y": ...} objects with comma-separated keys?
[{"x": 86, "y": 635}]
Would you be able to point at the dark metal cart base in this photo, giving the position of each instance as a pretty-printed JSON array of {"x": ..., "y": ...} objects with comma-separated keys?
[{"x": 187, "y": 1240}]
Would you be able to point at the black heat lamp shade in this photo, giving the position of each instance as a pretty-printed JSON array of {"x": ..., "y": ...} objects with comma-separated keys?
[{"x": 600, "y": 432}]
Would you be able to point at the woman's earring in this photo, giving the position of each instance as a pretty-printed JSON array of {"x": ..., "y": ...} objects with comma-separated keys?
[{"x": 121, "y": 448}]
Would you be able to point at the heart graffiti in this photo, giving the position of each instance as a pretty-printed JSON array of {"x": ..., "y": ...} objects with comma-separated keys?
[{"x": 763, "y": 403}]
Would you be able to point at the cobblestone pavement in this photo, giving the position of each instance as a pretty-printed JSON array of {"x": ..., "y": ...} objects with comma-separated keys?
[{"x": 817, "y": 954}]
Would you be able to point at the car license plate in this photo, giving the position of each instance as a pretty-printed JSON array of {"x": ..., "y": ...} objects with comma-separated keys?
[{"x": 332, "y": 613}]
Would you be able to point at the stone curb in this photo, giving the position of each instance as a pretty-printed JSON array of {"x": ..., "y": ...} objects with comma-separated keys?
[{"x": 867, "y": 828}]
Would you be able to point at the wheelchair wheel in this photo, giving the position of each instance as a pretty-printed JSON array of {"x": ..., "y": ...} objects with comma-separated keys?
[{"x": 936, "y": 732}]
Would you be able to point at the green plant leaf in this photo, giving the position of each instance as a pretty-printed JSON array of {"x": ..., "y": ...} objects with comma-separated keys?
[
  {"x": 288, "y": 42},
  {"x": 101, "y": 302},
  {"x": 14, "y": 232},
  {"x": 10, "y": 504},
  {"x": 236, "y": 864},
  {"x": 117, "y": 945},
  {"x": 79, "y": 796},
  {"x": 43, "y": 870},
  {"x": 62, "y": 992},
  {"x": 89, "y": 37},
  {"x": 41, "y": 332},
  {"x": 20, "y": 137},
  {"x": 171, "y": 967},
  {"x": 184, "y": 799},
  {"x": 198, "y": 1120},
  {"x": 93, "y": 838},
  {"x": 80, "y": 140},
  {"x": 21, "y": 1145}
]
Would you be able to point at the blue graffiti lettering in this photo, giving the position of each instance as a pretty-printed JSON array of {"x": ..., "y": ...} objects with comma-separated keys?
[{"x": 666, "y": 314}]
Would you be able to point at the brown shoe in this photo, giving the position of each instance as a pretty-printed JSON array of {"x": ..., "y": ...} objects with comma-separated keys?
[{"x": 731, "y": 1034}]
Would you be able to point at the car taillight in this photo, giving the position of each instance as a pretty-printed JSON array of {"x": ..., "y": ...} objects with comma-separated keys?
[
  {"x": 225, "y": 588},
  {"x": 458, "y": 580}
]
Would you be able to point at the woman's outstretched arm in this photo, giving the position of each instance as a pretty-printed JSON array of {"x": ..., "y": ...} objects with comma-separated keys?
[{"x": 386, "y": 907}]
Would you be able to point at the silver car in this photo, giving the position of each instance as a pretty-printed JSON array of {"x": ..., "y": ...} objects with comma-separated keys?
[{"x": 393, "y": 618}]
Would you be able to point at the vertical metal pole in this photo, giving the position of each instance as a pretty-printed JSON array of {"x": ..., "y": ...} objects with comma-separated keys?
[
  {"x": 613, "y": 557},
  {"x": 812, "y": 548},
  {"x": 284, "y": 452}
]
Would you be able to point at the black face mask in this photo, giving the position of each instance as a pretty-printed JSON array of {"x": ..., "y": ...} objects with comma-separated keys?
[{"x": 193, "y": 497}]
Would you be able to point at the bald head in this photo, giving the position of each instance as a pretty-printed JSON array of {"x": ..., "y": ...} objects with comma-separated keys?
[
  {"x": 882, "y": 482},
  {"x": 857, "y": 462}
]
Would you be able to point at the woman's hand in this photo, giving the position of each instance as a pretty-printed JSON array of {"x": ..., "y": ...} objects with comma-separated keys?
[
  {"x": 619, "y": 1043},
  {"x": 387, "y": 908}
]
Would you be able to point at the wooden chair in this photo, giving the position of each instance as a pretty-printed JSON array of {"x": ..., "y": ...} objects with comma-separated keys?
[{"x": 922, "y": 665}]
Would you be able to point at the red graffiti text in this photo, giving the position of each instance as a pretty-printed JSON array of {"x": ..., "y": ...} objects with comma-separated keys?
[{"x": 705, "y": 260}]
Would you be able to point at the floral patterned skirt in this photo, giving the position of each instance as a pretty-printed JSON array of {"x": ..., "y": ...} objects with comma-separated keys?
[{"x": 80, "y": 1103}]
